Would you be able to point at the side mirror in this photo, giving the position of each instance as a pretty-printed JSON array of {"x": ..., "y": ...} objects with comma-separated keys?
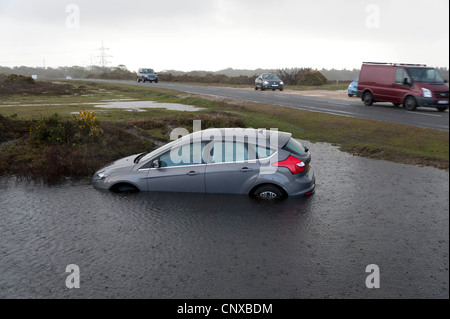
[{"x": 155, "y": 163}]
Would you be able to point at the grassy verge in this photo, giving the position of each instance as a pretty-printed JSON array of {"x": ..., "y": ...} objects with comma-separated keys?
[{"x": 78, "y": 154}]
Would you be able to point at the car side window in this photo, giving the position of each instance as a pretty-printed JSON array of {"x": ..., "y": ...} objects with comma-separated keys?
[
  {"x": 264, "y": 152},
  {"x": 190, "y": 154},
  {"x": 229, "y": 152},
  {"x": 401, "y": 75}
]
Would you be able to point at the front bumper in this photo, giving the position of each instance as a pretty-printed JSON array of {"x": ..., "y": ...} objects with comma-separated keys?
[{"x": 431, "y": 102}]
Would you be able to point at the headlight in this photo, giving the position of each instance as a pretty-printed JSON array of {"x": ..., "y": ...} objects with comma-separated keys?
[
  {"x": 281, "y": 83},
  {"x": 101, "y": 175},
  {"x": 350, "y": 86},
  {"x": 427, "y": 93},
  {"x": 265, "y": 82}
]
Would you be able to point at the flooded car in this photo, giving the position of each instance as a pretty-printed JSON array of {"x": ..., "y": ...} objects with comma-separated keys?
[{"x": 260, "y": 163}]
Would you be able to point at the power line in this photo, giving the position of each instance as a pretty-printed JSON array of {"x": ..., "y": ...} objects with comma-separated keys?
[{"x": 103, "y": 56}]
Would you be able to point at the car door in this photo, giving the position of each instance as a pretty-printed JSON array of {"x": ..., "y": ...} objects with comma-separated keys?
[
  {"x": 401, "y": 86},
  {"x": 230, "y": 169},
  {"x": 181, "y": 169}
]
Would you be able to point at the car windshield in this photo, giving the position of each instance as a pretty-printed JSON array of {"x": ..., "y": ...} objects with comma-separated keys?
[
  {"x": 271, "y": 77},
  {"x": 148, "y": 71},
  {"x": 162, "y": 149},
  {"x": 425, "y": 75}
]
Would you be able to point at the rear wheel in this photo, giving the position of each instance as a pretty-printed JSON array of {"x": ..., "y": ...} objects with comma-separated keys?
[
  {"x": 268, "y": 192},
  {"x": 368, "y": 98},
  {"x": 441, "y": 109},
  {"x": 410, "y": 103}
]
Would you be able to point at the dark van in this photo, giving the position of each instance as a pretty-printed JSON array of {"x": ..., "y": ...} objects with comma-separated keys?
[{"x": 412, "y": 85}]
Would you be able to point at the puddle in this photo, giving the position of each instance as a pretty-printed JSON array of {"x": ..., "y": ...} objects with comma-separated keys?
[{"x": 138, "y": 106}]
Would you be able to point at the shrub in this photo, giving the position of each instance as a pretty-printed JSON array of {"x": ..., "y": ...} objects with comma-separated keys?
[
  {"x": 87, "y": 122},
  {"x": 14, "y": 78},
  {"x": 314, "y": 78},
  {"x": 55, "y": 130}
]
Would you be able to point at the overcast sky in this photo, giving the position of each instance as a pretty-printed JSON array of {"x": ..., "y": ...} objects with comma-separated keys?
[{"x": 216, "y": 34}]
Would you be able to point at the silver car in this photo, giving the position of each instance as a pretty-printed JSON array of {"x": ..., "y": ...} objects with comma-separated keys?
[{"x": 260, "y": 163}]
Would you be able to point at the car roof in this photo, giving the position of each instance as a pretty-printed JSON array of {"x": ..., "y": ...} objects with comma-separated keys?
[{"x": 254, "y": 136}]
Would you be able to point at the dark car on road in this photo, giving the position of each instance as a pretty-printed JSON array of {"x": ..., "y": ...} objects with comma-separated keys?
[
  {"x": 267, "y": 81},
  {"x": 145, "y": 75},
  {"x": 260, "y": 163}
]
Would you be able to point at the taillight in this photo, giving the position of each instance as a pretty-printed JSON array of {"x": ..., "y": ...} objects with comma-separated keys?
[{"x": 295, "y": 165}]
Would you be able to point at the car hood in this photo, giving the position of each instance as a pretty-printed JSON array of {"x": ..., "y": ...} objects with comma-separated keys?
[
  {"x": 433, "y": 87},
  {"x": 122, "y": 163}
]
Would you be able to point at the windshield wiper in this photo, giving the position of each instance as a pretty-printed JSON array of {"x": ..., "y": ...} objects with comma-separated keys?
[{"x": 139, "y": 157}]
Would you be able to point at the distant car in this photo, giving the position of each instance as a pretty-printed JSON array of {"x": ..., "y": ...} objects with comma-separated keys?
[
  {"x": 353, "y": 87},
  {"x": 260, "y": 163},
  {"x": 145, "y": 75},
  {"x": 267, "y": 81}
]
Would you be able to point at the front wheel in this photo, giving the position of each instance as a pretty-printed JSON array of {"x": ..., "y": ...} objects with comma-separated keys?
[
  {"x": 410, "y": 103},
  {"x": 138, "y": 80},
  {"x": 268, "y": 192},
  {"x": 368, "y": 98},
  {"x": 256, "y": 88}
]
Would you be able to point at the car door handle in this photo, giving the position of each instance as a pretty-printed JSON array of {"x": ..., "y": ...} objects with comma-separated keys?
[
  {"x": 193, "y": 173},
  {"x": 246, "y": 169}
]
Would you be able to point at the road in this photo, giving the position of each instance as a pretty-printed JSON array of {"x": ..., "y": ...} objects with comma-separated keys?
[{"x": 422, "y": 117}]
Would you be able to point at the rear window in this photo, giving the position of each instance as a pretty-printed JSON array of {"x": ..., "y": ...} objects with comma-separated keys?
[{"x": 295, "y": 147}]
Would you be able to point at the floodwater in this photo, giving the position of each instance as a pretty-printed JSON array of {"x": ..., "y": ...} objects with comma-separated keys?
[
  {"x": 140, "y": 106},
  {"x": 151, "y": 245}
]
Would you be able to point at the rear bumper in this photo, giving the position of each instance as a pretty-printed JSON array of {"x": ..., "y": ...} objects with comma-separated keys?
[{"x": 305, "y": 185}]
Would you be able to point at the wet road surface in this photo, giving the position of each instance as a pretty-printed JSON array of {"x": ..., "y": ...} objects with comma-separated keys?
[
  {"x": 221, "y": 246},
  {"x": 386, "y": 112}
]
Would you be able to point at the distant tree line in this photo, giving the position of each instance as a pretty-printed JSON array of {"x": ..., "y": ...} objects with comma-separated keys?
[{"x": 291, "y": 76}]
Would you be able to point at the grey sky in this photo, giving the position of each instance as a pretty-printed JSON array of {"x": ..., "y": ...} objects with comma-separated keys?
[{"x": 216, "y": 34}]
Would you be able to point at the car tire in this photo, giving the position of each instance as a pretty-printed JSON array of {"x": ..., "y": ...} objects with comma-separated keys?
[
  {"x": 410, "y": 103},
  {"x": 441, "y": 109},
  {"x": 350, "y": 95},
  {"x": 262, "y": 88},
  {"x": 138, "y": 80},
  {"x": 281, "y": 90},
  {"x": 368, "y": 98},
  {"x": 268, "y": 192},
  {"x": 124, "y": 188},
  {"x": 156, "y": 81},
  {"x": 256, "y": 88}
]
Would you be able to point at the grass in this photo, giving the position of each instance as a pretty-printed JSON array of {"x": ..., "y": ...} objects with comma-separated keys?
[{"x": 128, "y": 133}]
